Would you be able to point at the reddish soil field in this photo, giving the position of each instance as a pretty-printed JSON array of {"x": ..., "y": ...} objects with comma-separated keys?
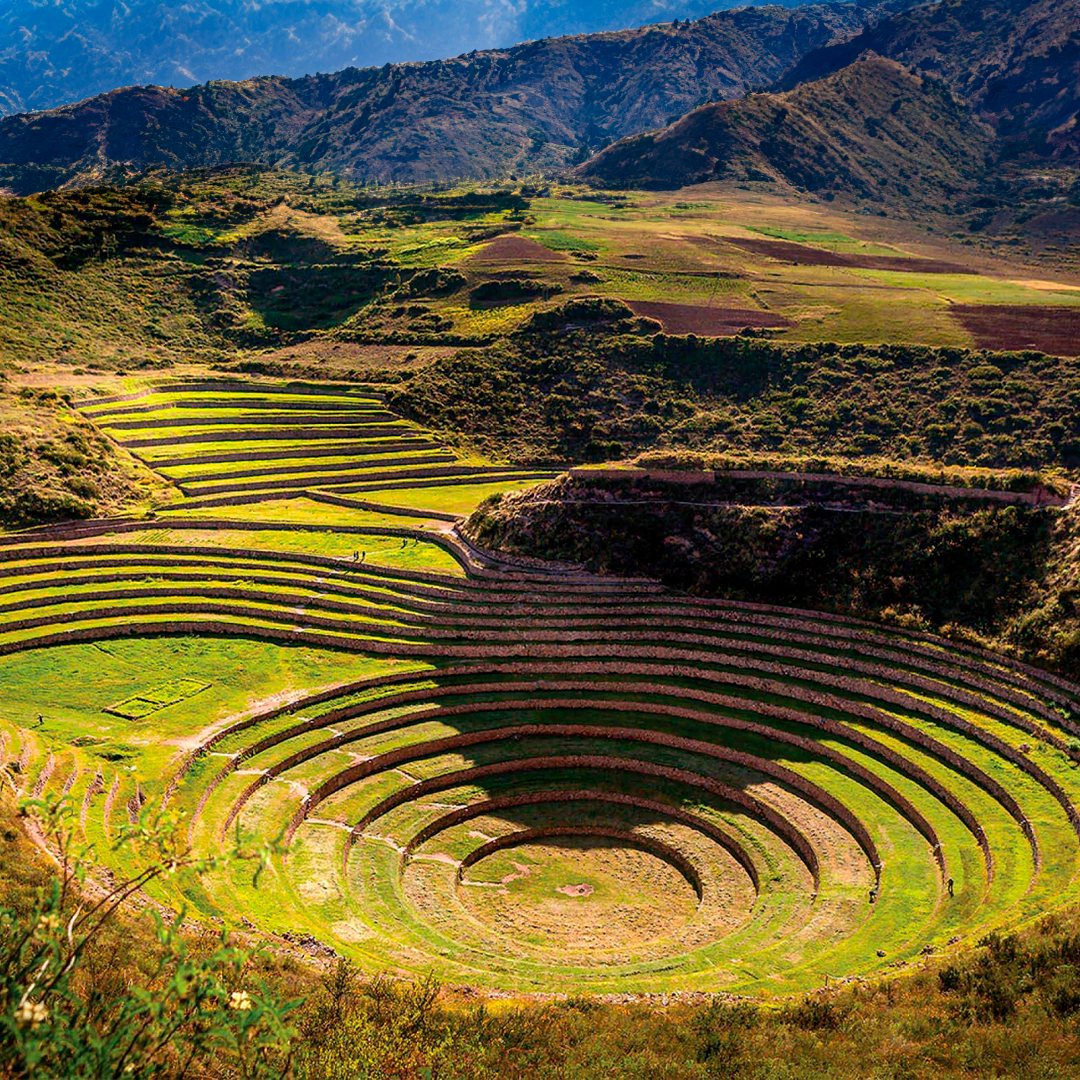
[
  {"x": 786, "y": 251},
  {"x": 516, "y": 249},
  {"x": 706, "y": 321},
  {"x": 1054, "y": 330}
]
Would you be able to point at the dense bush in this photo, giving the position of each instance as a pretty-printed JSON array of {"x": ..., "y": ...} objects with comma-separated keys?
[
  {"x": 1008, "y": 969},
  {"x": 512, "y": 291},
  {"x": 584, "y": 373}
]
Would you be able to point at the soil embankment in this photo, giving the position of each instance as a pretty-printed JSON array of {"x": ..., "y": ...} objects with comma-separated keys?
[{"x": 1006, "y": 573}]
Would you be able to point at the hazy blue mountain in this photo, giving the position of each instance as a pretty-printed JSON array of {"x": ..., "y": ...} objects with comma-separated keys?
[{"x": 57, "y": 51}]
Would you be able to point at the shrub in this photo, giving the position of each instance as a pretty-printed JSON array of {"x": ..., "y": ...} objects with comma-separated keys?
[
  {"x": 192, "y": 1009},
  {"x": 389, "y": 1028},
  {"x": 817, "y": 1014}
]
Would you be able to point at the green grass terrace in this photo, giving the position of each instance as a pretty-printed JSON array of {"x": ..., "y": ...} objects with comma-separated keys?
[{"x": 520, "y": 777}]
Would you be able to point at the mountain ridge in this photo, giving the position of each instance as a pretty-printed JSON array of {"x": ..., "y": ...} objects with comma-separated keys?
[
  {"x": 1014, "y": 65},
  {"x": 1016, "y": 61},
  {"x": 478, "y": 116},
  {"x": 872, "y": 130}
]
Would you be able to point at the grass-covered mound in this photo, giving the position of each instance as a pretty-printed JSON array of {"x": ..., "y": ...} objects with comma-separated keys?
[
  {"x": 178, "y": 266},
  {"x": 54, "y": 466}
]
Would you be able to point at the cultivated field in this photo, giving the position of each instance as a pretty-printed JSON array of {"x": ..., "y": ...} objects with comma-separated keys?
[
  {"x": 518, "y": 777},
  {"x": 265, "y": 264},
  {"x": 730, "y": 260}
]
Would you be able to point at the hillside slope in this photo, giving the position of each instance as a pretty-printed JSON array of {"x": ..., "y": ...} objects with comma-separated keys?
[
  {"x": 590, "y": 381},
  {"x": 475, "y": 116},
  {"x": 61, "y": 53},
  {"x": 873, "y": 130},
  {"x": 1016, "y": 61}
]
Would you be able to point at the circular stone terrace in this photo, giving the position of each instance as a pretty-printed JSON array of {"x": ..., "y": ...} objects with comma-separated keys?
[{"x": 547, "y": 780}]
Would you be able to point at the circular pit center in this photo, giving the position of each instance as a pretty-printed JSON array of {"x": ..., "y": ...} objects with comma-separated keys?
[{"x": 578, "y": 892}]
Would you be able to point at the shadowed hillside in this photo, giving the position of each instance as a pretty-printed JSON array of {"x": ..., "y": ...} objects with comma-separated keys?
[
  {"x": 480, "y": 115},
  {"x": 1007, "y": 574},
  {"x": 1016, "y": 61},
  {"x": 873, "y": 130}
]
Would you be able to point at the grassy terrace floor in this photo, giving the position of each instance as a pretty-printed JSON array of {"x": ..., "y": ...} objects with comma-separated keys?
[
  {"x": 519, "y": 778},
  {"x": 225, "y": 444}
]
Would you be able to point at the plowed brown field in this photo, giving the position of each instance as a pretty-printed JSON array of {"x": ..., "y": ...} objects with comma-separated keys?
[
  {"x": 707, "y": 321},
  {"x": 1054, "y": 330}
]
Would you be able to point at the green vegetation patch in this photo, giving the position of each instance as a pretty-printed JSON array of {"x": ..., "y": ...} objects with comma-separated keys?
[
  {"x": 55, "y": 467},
  {"x": 823, "y": 238},
  {"x": 564, "y": 241}
]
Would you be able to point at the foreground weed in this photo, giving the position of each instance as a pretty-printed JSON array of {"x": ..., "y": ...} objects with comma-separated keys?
[{"x": 194, "y": 1005}]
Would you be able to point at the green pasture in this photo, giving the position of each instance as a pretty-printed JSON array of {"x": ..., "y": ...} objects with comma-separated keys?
[
  {"x": 72, "y": 687},
  {"x": 304, "y": 511},
  {"x": 656, "y": 250},
  {"x": 460, "y": 499},
  {"x": 226, "y": 469},
  {"x": 392, "y": 551},
  {"x": 975, "y": 289}
]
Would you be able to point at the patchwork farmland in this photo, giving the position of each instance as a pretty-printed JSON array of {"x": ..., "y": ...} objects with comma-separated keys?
[{"x": 519, "y": 776}]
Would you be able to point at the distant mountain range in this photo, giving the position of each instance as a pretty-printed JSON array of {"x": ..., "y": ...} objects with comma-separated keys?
[
  {"x": 983, "y": 83},
  {"x": 61, "y": 51},
  {"x": 485, "y": 114},
  {"x": 887, "y": 103}
]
